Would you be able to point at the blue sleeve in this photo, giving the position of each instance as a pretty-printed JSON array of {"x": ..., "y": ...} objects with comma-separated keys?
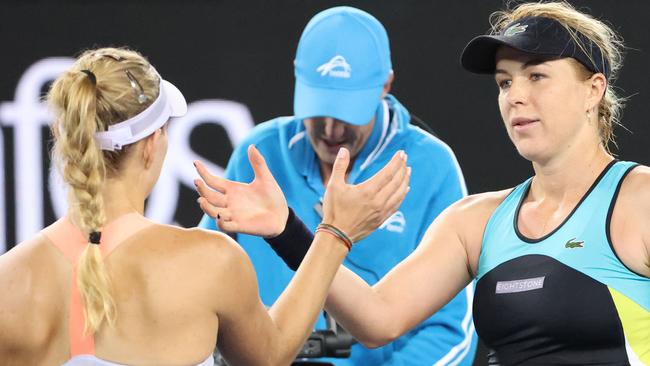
[
  {"x": 238, "y": 169},
  {"x": 447, "y": 337}
]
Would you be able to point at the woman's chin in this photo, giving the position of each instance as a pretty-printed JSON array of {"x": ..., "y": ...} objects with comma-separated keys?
[{"x": 531, "y": 153}]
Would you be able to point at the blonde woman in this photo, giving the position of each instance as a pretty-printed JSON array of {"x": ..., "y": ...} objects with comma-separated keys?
[
  {"x": 562, "y": 261},
  {"x": 106, "y": 286}
]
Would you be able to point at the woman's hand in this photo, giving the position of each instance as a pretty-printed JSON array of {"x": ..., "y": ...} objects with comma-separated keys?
[
  {"x": 259, "y": 208},
  {"x": 256, "y": 208},
  {"x": 359, "y": 209}
]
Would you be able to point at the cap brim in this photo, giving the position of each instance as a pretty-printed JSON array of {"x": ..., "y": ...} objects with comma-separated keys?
[
  {"x": 355, "y": 107},
  {"x": 175, "y": 99},
  {"x": 479, "y": 54}
]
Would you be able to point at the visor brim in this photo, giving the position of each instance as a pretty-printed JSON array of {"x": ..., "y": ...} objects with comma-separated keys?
[{"x": 175, "y": 99}]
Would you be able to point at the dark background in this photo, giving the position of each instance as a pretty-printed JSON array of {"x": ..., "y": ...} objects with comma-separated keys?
[{"x": 243, "y": 51}]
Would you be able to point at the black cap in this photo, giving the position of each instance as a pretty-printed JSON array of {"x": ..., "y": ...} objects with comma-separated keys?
[{"x": 535, "y": 35}]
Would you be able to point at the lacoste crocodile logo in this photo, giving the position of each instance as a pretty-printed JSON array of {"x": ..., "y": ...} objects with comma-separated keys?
[
  {"x": 515, "y": 29},
  {"x": 572, "y": 243}
]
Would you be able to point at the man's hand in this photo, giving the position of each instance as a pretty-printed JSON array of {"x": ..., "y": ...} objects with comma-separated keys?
[{"x": 256, "y": 208}]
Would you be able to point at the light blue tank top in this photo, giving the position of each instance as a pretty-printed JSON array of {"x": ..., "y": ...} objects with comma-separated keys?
[
  {"x": 588, "y": 224},
  {"x": 570, "y": 279}
]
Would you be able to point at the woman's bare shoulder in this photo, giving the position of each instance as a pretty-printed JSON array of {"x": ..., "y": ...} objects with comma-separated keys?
[
  {"x": 637, "y": 182},
  {"x": 630, "y": 232},
  {"x": 469, "y": 217},
  {"x": 480, "y": 204},
  {"x": 32, "y": 275},
  {"x": 27, "y": 259},
  {"x": 634, "y": 194},
  {"x": 193, "y": 245}
]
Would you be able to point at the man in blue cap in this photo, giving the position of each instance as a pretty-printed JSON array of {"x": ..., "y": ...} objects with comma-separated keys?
[{"x": 343, "y": 75}]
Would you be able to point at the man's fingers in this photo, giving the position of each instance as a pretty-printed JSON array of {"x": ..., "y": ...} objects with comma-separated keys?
[
  {"x": 340, "y": 166},
  {"x": 213, "y": 181},
  {"x": 214, "y": 198}
]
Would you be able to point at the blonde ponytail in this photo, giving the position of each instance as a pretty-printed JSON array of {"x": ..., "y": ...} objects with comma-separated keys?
[
  {"x": 94, "y": 94},
  {"x": 84, "y": 172}
]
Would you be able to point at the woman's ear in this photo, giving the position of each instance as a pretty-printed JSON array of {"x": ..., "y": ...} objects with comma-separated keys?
[
  {"x": 597, "y": 86},
  {"x": 150, "y": 146},
  {"x": 388, "y": 84}
]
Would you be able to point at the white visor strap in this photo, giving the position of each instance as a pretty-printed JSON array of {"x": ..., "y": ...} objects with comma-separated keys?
[{"x": 139, "y": 126}]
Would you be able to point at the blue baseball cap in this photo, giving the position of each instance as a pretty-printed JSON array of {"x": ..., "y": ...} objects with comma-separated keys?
[{"x": 341, "y": 66}]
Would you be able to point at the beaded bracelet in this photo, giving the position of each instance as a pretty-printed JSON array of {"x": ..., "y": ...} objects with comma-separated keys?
[{"x": 333, "y": 230}]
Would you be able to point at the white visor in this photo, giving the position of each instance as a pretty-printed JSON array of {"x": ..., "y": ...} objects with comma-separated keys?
[{"x": 170, "y": 103}]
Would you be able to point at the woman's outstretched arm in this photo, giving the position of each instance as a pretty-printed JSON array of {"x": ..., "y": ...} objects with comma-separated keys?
[{"x": 249, "y": 333}]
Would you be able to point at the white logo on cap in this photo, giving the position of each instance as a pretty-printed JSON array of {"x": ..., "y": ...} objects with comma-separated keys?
[{"x": 337, "y": 67}]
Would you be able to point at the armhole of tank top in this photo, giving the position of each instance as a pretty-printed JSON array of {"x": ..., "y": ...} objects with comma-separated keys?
[
  {"x": 608, "y": 221},
  {"x": 485, "y": 229}
]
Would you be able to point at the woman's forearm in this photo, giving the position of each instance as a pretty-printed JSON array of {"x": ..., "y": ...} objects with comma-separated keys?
[
  {"x": 360, "y": 309},
  {"x": 297, "y": 308}
]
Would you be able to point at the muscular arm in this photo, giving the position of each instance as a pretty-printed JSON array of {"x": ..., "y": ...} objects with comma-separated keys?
[
  {"x": 444, "y": 263},
  {"x": 447, "y": 335},
  {"x": 251, "y": 335}
]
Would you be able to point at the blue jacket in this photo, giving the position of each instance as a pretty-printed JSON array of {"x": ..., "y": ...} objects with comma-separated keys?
[{"x": 436, "y": 182}]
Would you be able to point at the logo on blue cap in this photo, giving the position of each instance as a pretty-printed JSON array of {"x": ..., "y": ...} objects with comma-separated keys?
[
  {"x": 337, "y": 67},
  {"x": 341, "y": 66}
]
